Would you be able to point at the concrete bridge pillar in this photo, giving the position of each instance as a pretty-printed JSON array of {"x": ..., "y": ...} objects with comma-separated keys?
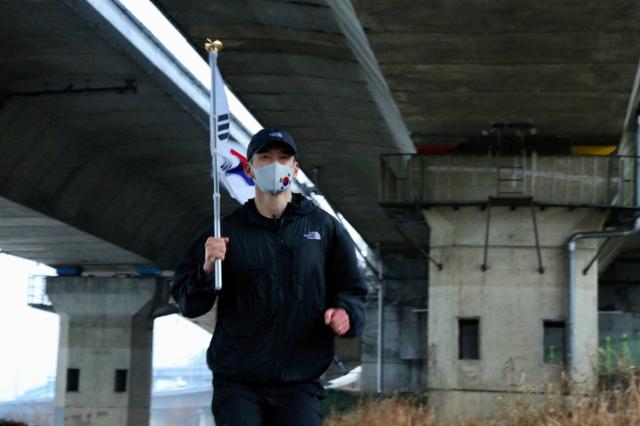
[
  {"x": 491, "y": 332},
  {"x": 105, "y": 349}
]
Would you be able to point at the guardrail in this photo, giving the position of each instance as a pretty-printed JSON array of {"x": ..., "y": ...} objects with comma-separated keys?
[{"x": 563, "y": 180}]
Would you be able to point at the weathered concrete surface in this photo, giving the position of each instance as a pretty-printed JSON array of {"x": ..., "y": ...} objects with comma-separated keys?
[
  {"x": 121, "y": 166},
  {"x": 129, "y": 168},
  {"x": 132, "y": 167},
  {"x": 454, "y": 67},
  {"x": 511, "y": 299},
  {"x": 105, "y": 324},
  {"x": 305, "y": 66},
  {"x": 549, "y": 179},
  {"x": 28, "y": 233}
]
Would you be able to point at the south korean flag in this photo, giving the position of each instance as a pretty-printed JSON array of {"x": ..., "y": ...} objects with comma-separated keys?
[{"x": 231, "y": 154}]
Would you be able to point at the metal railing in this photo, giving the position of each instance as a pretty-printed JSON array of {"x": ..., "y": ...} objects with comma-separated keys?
[{"x": 563, "y": 180}]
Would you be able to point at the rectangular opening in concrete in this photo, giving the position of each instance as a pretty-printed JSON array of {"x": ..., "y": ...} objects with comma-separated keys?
[
  {"x": 121, "y": 381},
  {"x": 73, "y": 379},
  {"x": 554, "y": 342},
  {"x": 468, "y": 338}
]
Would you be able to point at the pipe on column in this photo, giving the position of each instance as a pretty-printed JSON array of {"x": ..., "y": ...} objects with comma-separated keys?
[
  {"x": 636, "y": 166},
  {"x": 571, "y": 246},
  {"x": 571, "y": 299},
  {"x": 380, "y": 328}
]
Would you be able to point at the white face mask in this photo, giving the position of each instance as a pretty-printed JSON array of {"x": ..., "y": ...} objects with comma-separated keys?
[{"x": 274, "y": 177}]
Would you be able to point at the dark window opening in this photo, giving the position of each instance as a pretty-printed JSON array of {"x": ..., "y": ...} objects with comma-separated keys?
[
  {"x": 554, "y": 342},
  {"x": 121, "y": 381},
  {"x": 469, "y": 338},
  {"x": 73, "y": 379}
]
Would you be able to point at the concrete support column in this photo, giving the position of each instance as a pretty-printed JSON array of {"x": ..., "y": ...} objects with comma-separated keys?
[
  {"x": 105, "y": 349},
  {"x": 404, "y": 329},
  {"x": 509, "y": 304}
]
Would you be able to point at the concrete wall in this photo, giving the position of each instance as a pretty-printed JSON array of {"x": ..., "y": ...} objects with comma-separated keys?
[
  {"x": 511, "y": 299},
  {"x": 559, "y": 179}
]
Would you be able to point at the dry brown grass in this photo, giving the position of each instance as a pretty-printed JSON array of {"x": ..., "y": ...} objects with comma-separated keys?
[
  {"x": 604, "y": 408},
  {"x": 386, "y": 412}
]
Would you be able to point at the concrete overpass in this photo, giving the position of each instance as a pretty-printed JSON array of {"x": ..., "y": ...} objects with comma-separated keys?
[
  {"x": 96, "y": 139},
  {"x": 85, "y": 116},
  {"x": 100, "y": 149},
  {"x": 76, "y": 132},
  {"x": 453, "y": 67}
]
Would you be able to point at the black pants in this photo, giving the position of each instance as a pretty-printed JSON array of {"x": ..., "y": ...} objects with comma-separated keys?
[{"x": 244, "y": 405}]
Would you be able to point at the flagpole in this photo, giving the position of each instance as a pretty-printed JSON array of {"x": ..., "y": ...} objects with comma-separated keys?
[{"x": 214, "y": 47}]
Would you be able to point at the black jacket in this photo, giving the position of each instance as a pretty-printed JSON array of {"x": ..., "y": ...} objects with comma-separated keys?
[{"x": 279, "y": 277}]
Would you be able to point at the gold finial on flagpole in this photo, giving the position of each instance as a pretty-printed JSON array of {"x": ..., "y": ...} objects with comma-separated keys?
[{"x": 216, "y": 45}]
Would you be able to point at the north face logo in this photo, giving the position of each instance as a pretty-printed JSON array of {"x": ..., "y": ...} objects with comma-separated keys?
[
  {"x": 276, "y": 135},
  {"x": 313, "y": 235}
]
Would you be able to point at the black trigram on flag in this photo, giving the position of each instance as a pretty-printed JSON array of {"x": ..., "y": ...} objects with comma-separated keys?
[
  {"x": 223, "y": 127},
  {"x": 220, "y": 142}
]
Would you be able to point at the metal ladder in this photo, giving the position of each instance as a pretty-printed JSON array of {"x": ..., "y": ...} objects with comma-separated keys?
[
  {"x": 511, "y": 191},
  {"x": 511, "y": 177},
  {"x": 512, "y": 202}
]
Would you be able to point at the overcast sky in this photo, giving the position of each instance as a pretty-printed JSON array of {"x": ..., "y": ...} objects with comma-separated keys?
[{"x": 29, "y": 337}]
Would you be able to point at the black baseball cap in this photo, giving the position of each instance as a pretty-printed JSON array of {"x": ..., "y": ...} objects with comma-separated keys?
[{"x": 268, "y": 136}]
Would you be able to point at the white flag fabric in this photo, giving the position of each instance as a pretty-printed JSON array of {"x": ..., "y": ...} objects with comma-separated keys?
[{"x": 231, "y": 154}]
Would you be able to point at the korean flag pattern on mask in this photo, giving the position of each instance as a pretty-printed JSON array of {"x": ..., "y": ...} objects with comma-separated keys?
[{"x": 285, "y": 181}]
